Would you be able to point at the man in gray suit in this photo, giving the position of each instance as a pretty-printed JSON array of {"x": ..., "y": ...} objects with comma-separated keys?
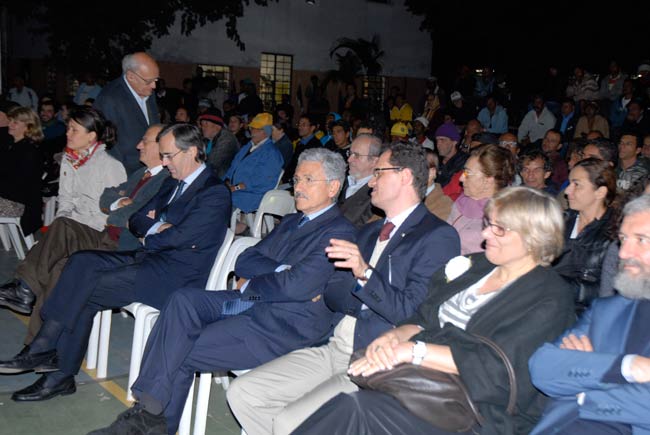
[
  {"x": 354, "y": 200},
  {"x": 37, "y": 275},
  {"x": 128, "y": 102},
  {"x": 221, "y": 145}
]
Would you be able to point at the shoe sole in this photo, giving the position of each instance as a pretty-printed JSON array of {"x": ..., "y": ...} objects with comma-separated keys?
[
  {"x": 10, "y": 371},
  {"x": 66, "y": 392},
  {"x": 21, "y": 309}
]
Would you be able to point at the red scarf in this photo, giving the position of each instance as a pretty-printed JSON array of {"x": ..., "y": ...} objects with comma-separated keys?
[{"x": 78, "y": 158}]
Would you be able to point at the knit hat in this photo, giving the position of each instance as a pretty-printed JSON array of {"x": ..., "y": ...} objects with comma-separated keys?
[
  {"x": 399, "y": 129},
  {"x": 449, "y": 130},
  {"x": 212, "y": 115}
]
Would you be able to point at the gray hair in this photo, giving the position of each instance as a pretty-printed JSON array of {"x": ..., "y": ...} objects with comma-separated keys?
[
  {"x": 186, "y": 136},
  {"x": 333, "y": 164},
  {"x": 374, "y": 143},
  {"x": 129, "y": 63},
  {"x": 637, "y": 205}
]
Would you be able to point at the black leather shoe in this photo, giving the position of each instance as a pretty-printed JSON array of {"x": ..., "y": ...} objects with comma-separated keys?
[
  {"x": 135, "y": 421},
  {"x": 45, "y": 388},
  {"x": 16, "y": 297},
  {"x": 25, "y": 362}
]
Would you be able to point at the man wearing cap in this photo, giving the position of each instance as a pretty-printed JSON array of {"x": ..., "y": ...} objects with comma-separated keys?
[
  {"x": 399, "y": 132},
  {"x": 256, "y": 167},
  {"x": 420, "y": 126},
  {"x": 460, "y": 110},
  {"x": 128, "y": 102},
  {"x": 453, "y": 160},
  {"x": 221, "y": 145}
]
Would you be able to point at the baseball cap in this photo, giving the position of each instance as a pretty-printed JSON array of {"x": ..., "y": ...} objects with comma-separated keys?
[
  {"x": 455, "y": 96},
  {"x": 399, "y": 129},
  {"x": 261, "y": 120}
]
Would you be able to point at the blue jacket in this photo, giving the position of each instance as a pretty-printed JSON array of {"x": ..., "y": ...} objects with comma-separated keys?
[
  {"x": 119, "y": 106},
  {"x": 289, "y": 311},
  {"x": 497, "y": 123},
  {"x": 562, "y": 373},
  {"x": 401, "y": 276},
  {"x": 259, "y": 171},
  {"x": 181, "y": 256}
]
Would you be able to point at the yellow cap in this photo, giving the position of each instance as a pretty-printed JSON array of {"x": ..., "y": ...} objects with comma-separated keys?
[
  {"x": 399, "y": 129},
  {"x": 261, "y": 120}
]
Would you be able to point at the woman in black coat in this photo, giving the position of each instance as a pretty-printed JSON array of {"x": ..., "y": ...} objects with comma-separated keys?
[
  {"x": 508, "y": 295},
  {"x": 590, "y": 227},
  {"x": 22, "y": 168}
]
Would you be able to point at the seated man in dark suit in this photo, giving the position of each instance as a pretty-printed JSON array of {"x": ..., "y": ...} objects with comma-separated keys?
[
  {"x": 279, "y": 309},
  {"x": 391, "y": 267},
  {"x": 182, "y": 228},
  {"x": 598, "y": 372},
  {"x": 39, "y": 272},
  {"x": 354, "y": 199}
]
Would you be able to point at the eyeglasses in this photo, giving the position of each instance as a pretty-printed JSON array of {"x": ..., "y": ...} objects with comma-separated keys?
[
  {"x": 169, "y": 156},
  {"x": 307, "y": 180},
  {"x": 146, "y": 81},
  {"x": 357, "y": 155},
  {"x": 377, "y": 171},
  {"x": 508, "y": 143},
  {"x": 497, "y": 230},
  {"x": 469, "y": 173}
]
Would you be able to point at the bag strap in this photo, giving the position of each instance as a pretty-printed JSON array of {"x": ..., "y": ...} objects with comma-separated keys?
[{"x": 512, "y": 399}]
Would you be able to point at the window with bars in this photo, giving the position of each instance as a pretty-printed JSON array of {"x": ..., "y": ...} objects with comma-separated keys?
[
  {"x": 275, "y": 78},
  {"x": 374, "y": 88},
  {"x": 221, "y": 73}
]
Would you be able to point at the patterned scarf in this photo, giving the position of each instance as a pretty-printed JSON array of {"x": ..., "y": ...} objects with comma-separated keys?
[{"x": 78, "y": 158}]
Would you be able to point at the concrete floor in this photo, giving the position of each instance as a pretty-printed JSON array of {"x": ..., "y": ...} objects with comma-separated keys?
[{"x": 96, "y": 402}]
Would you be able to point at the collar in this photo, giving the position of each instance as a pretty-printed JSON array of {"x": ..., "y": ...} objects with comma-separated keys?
[
  {"x": 352, "y": 182},
  {"x": 315, "y": 214},
  {"x": 304, "y": 140},
  {"x": 430, "y": 189},
  {"x": 155, "y": 170},
  {"x": 194, "y": 175},
  {"x": 255, "y": 146},
  {"x": 400, "y": 218},
  {"x": 134, "y": 93}
]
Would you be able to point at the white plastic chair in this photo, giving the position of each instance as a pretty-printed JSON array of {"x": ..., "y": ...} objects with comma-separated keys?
[
  {"x": 49, "y": 209},
  {"x": 205, "y": 379},
  {"x": 250, "y": 217},
  {"x": 16, "y": 236},
  {"x": 276, "y": 203}
]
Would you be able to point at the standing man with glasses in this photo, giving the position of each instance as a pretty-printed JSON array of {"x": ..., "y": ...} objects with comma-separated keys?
[
  {"x": 389, "y": 268},
  {"x": 354, "y": 199},
  {"x": 130, "y": 103},
  {"x": 181, "y": 228},
  {"x": 279, "y": 308}
]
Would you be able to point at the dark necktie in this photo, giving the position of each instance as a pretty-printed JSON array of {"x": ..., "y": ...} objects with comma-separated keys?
[
  {"x": 303, "y": 221},
  {"x": 146, "y": 177},
  {"x": 384, "y": 234},
  {"x": 177, "y": 194}
]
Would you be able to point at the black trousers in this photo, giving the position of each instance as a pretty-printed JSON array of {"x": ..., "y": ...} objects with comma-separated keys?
[{"x": 367, "y": 413}]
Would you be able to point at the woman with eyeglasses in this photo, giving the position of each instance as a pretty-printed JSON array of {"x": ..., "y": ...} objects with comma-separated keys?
[
  {"x": 590, "y": 227},
  {"x": 507, "y": 294},
  {"x": 488, "y": 169}
]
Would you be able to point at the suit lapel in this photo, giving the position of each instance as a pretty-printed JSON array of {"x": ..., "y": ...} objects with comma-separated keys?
[
  {"x": 409, "y": 225},
  {"x": 621, "y": 320},
  {"x": 312, "y": 225},
  {"x": 134, "y": 104}
]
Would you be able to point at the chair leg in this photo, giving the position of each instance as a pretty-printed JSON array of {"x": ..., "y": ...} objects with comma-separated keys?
[
  {"x": 104, "y": 342},
  {"x": 16, "y": 240},
  {"x": 136, "y": 352},
  {"x": 202, "y": 401},
  {"x": 4, "y": 237},
  {"x": 186, "y": 417},
  {"x": 93, "y": 343}
]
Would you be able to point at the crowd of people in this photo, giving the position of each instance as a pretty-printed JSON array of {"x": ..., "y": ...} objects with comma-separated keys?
[{"x": 421, "y": 231}]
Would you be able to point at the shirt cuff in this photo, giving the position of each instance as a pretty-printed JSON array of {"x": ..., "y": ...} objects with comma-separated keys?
[
  {"x": 115, "y": 205},
  {"x": 581, "y": 398},
  {"x": 154, "y": 228},
  {"x": 626, "y": 367},
  {"x": 241, "y": 290},
  {"x": 282, "y": 268}
]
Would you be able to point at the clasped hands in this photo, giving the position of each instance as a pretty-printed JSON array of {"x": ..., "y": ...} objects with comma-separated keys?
[{"x": 383, "y": 353}]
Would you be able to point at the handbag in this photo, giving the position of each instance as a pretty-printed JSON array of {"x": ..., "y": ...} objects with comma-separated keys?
[{"x": 434, "y": 396}]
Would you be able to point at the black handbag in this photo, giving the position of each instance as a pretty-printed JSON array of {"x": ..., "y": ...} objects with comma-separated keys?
[{"x": 437, "y": 397}]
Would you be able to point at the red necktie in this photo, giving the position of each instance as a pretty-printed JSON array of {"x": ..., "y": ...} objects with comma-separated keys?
[
  {"x": 146, "y": 177},
  {"x": 384, "y": 234}
]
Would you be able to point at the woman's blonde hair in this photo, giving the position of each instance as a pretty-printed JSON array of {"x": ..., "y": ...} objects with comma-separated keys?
[
  {"x": 27, "y": 115},
  {"x": 535, "y": 215}
]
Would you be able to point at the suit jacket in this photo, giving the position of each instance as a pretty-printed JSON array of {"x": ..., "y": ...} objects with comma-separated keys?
[
  {"x": 531, "y": 310},
  {"x": 120, "y": 217},
  {"x": 398, "y": 284},
  {"x": 119, "y": 106},
  {"x": 289, "y": 311},
  {"x": 562, "y": 373},
  {"x": 224, "y": 148},
  {"x": 183, "y": 254},
  {"x": 357, "y": 208}
]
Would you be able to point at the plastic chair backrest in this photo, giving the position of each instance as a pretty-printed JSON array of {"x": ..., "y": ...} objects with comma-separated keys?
[
  {"x": 228, "y": 266},
  {"x": 219, "y": 260},
  {"x": 275, "y": 202}
]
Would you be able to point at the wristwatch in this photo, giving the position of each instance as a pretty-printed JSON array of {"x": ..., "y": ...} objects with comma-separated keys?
[
  {"x": 419, "y": 351},
  {"x": 237, "y": 187},
  {"x": 367, "y": 274}
]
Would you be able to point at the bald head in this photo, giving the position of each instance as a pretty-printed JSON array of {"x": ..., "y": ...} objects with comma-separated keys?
[{"x": 141, "y": 72}]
